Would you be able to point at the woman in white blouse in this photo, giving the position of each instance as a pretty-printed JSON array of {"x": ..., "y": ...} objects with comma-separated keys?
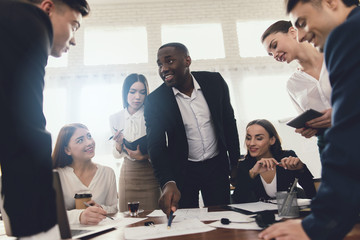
[
  {"x": 309, "y": 86},
  {"x": 137, "y": 181},
  {"x": 72, "y": 156}
]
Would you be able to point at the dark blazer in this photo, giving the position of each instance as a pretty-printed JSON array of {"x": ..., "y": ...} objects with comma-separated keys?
[
  {"x": 336, "y": 207},
  {"x": 251, "y": 190},
  {"x": 167, "y": 141},
  {"x": 25, "y": 145}
]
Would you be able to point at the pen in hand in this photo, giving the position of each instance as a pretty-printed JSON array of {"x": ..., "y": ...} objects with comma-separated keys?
[
  {"x": 88, "y": 205},
  {"x": 170, "y": 219},
  {"x": 115, "y": 133}
]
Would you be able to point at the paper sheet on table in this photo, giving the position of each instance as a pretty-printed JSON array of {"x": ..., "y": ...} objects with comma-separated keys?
[
  {"x": 248, "y": 226},
  {"x": 300, "y": 202},
  {"x": 189, "y": 213},
  {"x": 231, "y": 215},
  {"x": 255, "y": 206},
  {"x": 156, "y": 213},
  {"x": 117, "y": 222},
  {"x": 160, "y": 230}
]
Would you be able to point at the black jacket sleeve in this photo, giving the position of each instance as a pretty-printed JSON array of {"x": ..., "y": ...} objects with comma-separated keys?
[
  {"x": 25, "y": 145},
  {"x": 336, "y": 206}
]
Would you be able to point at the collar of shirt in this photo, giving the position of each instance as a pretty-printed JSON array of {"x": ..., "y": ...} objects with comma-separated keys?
[
  {"x": 196, "y": 88},
  {"x": 139, "y": 113}
]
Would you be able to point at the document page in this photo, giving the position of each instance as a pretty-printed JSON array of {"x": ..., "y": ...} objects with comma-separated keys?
[
  {"x": 106, "y": 223},
  {"x": 247, "y": 226},
  {"x": 161, "y": 230},
  {"x": 255, "y": 206},
  {"x": 300, "y": 202},
  {"x": 156, "y": 213},
  {"x": 189, "y": 213}
]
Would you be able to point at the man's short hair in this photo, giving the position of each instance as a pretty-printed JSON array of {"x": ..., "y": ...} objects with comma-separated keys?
[
  {"x": 290, "y": 4},
  {"x": 78, "y": 5},
  {"x": 178, "y": 46}
]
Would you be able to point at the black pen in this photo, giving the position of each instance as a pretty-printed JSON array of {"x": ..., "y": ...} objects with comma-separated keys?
[
  {"x": 114, "y": 134},
  {"x": 170, "y": 219},
  {"x": 88, "y": 205}
]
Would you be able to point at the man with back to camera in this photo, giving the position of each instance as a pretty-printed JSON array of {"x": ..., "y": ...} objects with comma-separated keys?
[
  {"x": 30, "y": 31},
  {"x": 191, "y": 131},
  {"x": 332, "y": 26}
]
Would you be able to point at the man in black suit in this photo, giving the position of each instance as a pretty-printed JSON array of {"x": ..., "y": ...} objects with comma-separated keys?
[
  {"x": 332, "y": 26},
  {"x": 191, "y": 130},
  {"x": 29, "y": 33}
]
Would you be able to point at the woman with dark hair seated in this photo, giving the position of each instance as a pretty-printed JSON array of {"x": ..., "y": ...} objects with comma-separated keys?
[{"x": 267, "y": 168}]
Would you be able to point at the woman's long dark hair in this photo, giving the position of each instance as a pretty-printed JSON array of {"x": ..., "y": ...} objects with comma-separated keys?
[
  {"x": 59, "y": 156},
  {"x": 279, "y": 26},
  {"x": 128, "y": 82},
  {"x": 276, "y": 148}
]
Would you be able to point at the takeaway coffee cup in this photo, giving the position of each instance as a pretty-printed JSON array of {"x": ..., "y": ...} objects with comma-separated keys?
[{"x": 80, "y": 198}]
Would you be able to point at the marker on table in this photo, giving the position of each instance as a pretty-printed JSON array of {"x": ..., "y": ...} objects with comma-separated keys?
[
  {"x": 88, "y": 205},
  {"x": 170, "y": 219}
]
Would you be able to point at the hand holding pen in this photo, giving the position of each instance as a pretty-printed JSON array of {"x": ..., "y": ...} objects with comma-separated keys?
[
  {"x": 263, "y": 165},
  {"x": 116, "y": 135},
  {"x": 98, "y": 206},
  {"x": 171, "y": 217},
  {"x": 291, "y": 163},
  {"x": 169, "y": 198},
  {"x": 92, "y": 215}
]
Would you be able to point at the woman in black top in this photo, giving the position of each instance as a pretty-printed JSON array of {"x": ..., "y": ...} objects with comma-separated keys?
[{"x": 267, "y": 168}]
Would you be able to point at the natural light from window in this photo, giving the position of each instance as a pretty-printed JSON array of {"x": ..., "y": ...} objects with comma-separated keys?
[
  {"x": 204, "y": 41},
  {"x": 115, "y": 45},
  {"x": 249, "y": 34},
  {"x": 54, "y": 62},
  {"x": 267, "y": 97},
  {"x": 55, "y": 109},
  {"x": 97, "y": 103}
]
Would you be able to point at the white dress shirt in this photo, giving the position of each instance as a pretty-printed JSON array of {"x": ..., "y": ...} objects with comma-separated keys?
[
  {"x": 270, "y": 188},
  {"x": 198, "y": 124},
  {"x": 102, "y": 187},
  {"x": 307, "y": 92},
  {"x": 133, "y": 127}
]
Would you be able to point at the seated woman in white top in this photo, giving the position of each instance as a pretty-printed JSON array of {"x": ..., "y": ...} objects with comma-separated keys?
[
  {"x": 309, "y": 86},
  {"x": 72, "y": 156}
]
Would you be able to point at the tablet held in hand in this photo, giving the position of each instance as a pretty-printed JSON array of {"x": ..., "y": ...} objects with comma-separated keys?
[{"x": 300, "y": 121}]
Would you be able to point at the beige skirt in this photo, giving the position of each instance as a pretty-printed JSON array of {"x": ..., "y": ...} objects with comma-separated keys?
[{"x": 138, "y": 183}]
